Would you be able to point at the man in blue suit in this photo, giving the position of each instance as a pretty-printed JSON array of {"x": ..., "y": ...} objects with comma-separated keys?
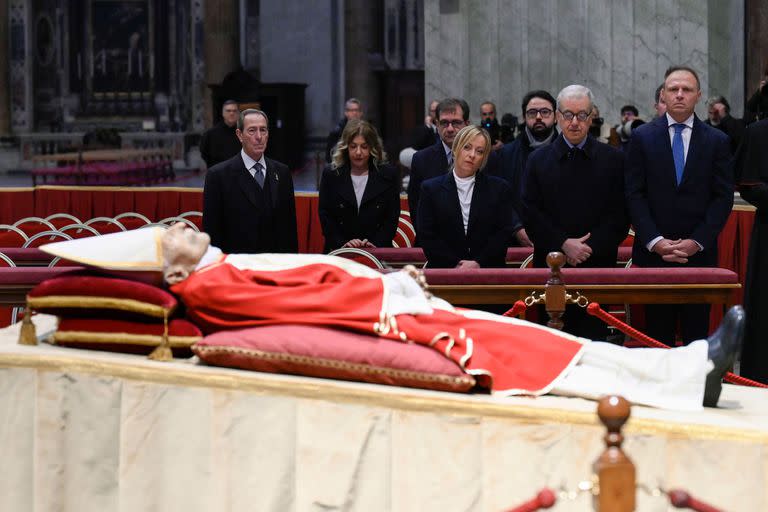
[{"x": 679, "y": 191}]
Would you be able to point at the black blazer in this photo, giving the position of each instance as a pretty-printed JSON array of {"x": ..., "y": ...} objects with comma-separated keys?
[
  {"x": 697, "y": 209},
  {"x": 241, "y": 218},
  {"x": 431, "y": 162},
  {"x": 379, "y": 209},
  {"x": 568, "y": 194},
  {"x": 491, "y": 227}
]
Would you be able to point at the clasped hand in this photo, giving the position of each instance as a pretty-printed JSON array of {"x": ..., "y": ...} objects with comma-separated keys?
[
  {"x": 576, "y": 251},
  {"x": 356, "y": 242},
  {"x": 676, "y": 251}
]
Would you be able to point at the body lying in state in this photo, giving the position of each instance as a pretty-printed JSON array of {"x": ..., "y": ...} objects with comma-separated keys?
[{"x": 506, "y": 355}]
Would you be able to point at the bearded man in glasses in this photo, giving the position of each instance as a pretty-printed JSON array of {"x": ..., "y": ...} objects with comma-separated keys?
[
  {"x": 573, "y": 198},
  {"x": 539, "y": 115}
]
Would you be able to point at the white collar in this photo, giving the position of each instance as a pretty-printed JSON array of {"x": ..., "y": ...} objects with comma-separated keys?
[
  {"x": 688, "y": 122},
  {"x": 250, "y": 162}
]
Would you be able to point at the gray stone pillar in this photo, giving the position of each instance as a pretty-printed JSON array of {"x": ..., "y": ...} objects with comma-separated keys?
[
  {"x": 222, "y": 52},
  {"x": 5, "y": 99},
  {"x": 756, "y": 44},
  {"x": 361, "y": 36}
]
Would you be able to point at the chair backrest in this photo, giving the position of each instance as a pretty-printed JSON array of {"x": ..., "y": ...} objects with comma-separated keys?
[
  {"x": 405, "y": 236},
  {"x": 170, "y": 221},
  {"x": 79, "y": 230},
  {"x": 8, "y": 315},
  {"x": 105, "y": 225},
  {"x": 527, "y": 261},
  {"x": 62, "y": 219},
  {"x": 132, "y": 220},
  {"x": 44, "y": 237},
  {"x": 359, "y": 255},
  {"x": 33, "y": 225},
  {"x": 11, "y": 236}
]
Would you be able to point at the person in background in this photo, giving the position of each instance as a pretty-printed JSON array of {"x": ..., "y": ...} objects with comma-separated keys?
[
  {"x": 359, "y": 192},
  {"x": 353, "y": 109},
  {"x": 659, "y": 106},
  {"x": 538, "y": 109},
  {"x": 719, "y": 116},
  {"x": 220, "y": 142}
]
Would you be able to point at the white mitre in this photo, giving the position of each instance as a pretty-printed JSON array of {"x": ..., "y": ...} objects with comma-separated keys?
[{"x": 136, "y": 254}]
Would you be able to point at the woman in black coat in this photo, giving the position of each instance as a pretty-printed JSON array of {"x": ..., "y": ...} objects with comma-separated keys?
[
  {"x": 466, "y": 218},
  {"x": 752, "y": 180},
  {"x": 359, "y": 192}
]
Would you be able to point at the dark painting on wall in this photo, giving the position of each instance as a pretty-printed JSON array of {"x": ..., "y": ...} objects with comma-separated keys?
[{"x": 122, "y": 59}]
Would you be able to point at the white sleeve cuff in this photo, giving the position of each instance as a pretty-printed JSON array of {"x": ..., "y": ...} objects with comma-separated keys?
[{"x": 653, "y": 242}]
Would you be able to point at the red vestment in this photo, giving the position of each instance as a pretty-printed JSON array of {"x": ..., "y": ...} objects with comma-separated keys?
[{"x": 507, "y": 355}]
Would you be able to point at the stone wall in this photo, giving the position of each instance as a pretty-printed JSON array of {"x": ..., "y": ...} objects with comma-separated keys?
[{"x": 500, "y": 49}]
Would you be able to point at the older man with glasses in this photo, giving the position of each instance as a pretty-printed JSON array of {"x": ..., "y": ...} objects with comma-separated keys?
[{"x": 573, "y": 198}]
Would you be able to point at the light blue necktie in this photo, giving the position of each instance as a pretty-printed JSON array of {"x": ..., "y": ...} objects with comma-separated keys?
[
  {"x": 259, "y": 175},
  {"x": 678, "y": 151}
]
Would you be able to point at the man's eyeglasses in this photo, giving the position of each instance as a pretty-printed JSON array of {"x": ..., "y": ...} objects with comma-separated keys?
[
  {"x": 581, "y": 116},
  {"x": 531, "y": 113},
  {"x": 457, "y": 123}
]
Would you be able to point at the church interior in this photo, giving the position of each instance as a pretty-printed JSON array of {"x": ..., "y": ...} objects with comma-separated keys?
[{"x": 117, "y": 394}]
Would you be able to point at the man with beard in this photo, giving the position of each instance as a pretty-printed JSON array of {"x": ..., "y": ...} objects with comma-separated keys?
[{"x": 539, "y": 114}]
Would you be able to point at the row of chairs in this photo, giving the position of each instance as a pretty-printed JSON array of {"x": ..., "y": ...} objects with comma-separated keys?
[{"x": 35, "y": 231}]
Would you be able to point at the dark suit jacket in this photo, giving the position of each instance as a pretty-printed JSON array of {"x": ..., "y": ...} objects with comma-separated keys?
[
  {"x": 697, "y": 209},
  {"x": 240, "y": 218},
  {"x": 379, "y": 209},
  {"x": 569, "y": 194},
  {"x": 431, "y": 162},
  {"x": 491, "y": 227}
]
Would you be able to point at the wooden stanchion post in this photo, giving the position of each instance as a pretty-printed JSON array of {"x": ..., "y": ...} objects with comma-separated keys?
[
  {"x": 614, "y": 470},
  {"x": 554, "y": 291}
]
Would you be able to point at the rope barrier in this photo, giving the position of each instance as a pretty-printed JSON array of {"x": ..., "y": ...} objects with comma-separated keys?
[
  {"x": 545, "y": 498},
  {"x": 517, "y": 309},
  {"x": 594, "y": 309}
]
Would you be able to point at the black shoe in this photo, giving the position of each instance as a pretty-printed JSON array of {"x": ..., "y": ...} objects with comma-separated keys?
[{"x": 724, "y": 344}]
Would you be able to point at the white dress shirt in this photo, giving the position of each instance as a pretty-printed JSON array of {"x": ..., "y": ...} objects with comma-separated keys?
[{"x": 250, "y": 162}]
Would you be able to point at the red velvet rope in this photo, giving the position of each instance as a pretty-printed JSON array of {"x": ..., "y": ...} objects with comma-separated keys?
[
  {"x": 517, "y": 309},
  {"x": 545, "y": 498},
  {"x": 681, "y": 499},
  {"x": 594, "y": 309}
]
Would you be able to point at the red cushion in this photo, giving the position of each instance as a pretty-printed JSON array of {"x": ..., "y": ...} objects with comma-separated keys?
[
  {"x": 81, "y": 294},
  {"x": 331, "y": 353},
  {"x": 125, "y": 335}
]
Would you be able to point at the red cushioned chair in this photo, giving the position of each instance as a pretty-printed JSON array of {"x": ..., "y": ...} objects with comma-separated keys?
[
  {"x": 105, "y": 225},
  {"x": 45, "y": 237},
  {"x": 359, "y": 255},
  {"x": 8, "y": 315},
  {"x": 60, "y": 220},
  {"x": 11, "y": 236},
  {"x": 79, "y": 230}
]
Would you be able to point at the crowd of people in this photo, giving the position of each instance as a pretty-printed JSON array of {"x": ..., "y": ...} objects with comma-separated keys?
[{"x": 556, "y": 186}]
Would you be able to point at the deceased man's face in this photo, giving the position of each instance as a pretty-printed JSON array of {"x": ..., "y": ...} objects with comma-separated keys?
[{"x": 183, "y": 248}]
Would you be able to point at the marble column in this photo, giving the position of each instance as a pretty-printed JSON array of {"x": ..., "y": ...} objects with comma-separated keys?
[
  {"x": 361, "y": 36},
  {"x": 5, "y": 98},
  {"x": 500, "y": 49},
  {"x": 222, "y": 54},
  {"x": 757, "y": 44}
]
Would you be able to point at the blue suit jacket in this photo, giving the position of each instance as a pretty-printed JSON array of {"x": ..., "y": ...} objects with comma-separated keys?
[
  {"x": 698, "y": 208},
  {"x": 491, "y": 227}
]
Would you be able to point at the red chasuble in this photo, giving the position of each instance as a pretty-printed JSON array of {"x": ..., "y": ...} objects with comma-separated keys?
[{"x": 507, "y": 355}]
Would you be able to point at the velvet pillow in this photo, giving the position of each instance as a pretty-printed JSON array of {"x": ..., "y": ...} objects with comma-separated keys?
[
  {"x": 125, "y": 335},
  {"x": 82, "y": 295},
  {"x": 335, "y": 354}
]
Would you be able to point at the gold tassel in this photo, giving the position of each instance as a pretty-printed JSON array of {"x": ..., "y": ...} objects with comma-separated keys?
[
  {"x": 27, "y": 334},
  {"x": 163, "y": 351}
]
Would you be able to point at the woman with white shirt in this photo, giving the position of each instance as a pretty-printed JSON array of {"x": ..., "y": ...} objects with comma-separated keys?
[
  {"x": 359, "y": 192},
  {"x": 466, "y": 218}
]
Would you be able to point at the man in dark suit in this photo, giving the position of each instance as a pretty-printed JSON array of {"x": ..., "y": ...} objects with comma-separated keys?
[
  {"x": 539, "y": 115},
  {"x": 573, "y": 200},
  {"x": 248, "y": 202},
  {"x": 220, "y": 142},
  {"x": 719, "y": 116},
  {"x": 679, "y": 190}
]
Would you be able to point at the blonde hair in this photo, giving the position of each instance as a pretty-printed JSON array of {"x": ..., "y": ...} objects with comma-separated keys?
[
  {"x": 465, "y": 135},
  {"x": 368, "y": 132}
]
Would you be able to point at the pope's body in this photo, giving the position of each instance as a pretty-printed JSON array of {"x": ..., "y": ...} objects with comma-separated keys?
[{"x": 507, "y": 355}]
